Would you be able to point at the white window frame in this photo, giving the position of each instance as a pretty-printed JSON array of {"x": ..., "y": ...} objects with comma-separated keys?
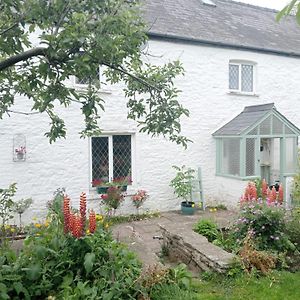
[
  {"x": 239, "y": 64},
  {"x": 110, "y": 156}
]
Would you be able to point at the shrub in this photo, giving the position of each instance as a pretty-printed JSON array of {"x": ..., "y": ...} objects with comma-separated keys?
[
  {"x": 293, "y": 228},
  {"x": 207, "y": 228},
  {"x": 267, "y": 224},
  {"x": 252, "y": 258}
]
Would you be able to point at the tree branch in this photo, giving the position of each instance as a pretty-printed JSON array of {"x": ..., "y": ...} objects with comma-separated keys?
[
  {"x": 122, "y": 70},
  {"x": 11, "y": 61}
]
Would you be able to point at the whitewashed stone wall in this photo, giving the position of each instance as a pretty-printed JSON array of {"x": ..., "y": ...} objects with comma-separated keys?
[{"x": 66, "y": 163}]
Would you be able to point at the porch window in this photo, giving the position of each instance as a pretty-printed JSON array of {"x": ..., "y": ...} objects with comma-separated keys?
[
  {"x": 241, "y": 77},
  {"x": 259, "y": 142},
  {"x": 111, "y": 157}
]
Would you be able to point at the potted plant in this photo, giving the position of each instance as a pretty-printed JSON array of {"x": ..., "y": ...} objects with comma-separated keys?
[
  {"x": 182, "y": 184},
  {"x": 139, "y": 198},
  {"x": 113, "y": 198},
  {"x": 103, "y": 186}
]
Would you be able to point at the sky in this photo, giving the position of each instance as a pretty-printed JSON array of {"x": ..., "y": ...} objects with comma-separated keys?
[{"x": 276, "y": 4}]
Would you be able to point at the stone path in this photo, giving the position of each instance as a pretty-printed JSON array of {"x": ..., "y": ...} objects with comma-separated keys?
[{"x": 138, "y": 235}]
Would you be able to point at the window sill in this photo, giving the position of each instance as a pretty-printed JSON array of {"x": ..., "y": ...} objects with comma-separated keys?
[
  {"x": 83, "y": 88},
  {"x": 233, "y": 93}
]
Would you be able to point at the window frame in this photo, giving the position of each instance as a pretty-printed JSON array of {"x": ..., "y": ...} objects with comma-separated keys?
[
  {"x": 110, "y": 155},
  {"x": 240, "y": 63}
]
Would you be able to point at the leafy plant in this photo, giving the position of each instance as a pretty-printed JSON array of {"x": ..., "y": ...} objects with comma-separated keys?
[
  {"x": 113, "y": 197},
  {"x": 267, "y": 224},
  {"x": 7, "y": 205},
  {"x": 182, "y": 182},
  {"x": 207, "y": 228},
  {"x": 21, "y": 206}
]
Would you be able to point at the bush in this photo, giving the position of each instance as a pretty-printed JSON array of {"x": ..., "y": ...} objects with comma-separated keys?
[
  {"x": 55, "y": 264},
  {"x": 207, "y": 228},
  {"x": 267, "y": 225},
  {"x": 293, "y": 228}
]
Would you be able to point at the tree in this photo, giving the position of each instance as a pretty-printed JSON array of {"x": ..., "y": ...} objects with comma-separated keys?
[
  {"x": 76, "y": 36},
  {"x": 291, "y": 7}
]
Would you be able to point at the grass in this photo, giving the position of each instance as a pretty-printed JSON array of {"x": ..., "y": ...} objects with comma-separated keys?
[
  {"x": 113, "y": 220},
  {"x": 276, "y": 286}
]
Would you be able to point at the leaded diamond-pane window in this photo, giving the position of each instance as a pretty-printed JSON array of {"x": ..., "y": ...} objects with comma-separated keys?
[
  {"x": 250, "y": 157},
  {"x": 233, "y": 77},
  {"x": 241, "y": 77},
  {"x": 86, "y": 80},
  {"x": 111, "y": 158},
  {"x": 122, "y": 156},
  {"x": 247, "y": 78},
  {"x": 231, "y": 157}
]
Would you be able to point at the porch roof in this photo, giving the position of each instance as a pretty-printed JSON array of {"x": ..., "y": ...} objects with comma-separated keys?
[{"x": 251, "y": 116}]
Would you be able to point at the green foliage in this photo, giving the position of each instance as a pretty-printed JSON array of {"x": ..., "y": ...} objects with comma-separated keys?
[
  {"x": 21, "y": 206},
  {"x": 182, "y": 182},
  {"x": 75, "y": 38},
  {"x": 293, "y": 228},
  {"x": 55, "y": 205},
  {"x": 207, "y": 228},
  {"x": 267, "y": 225},
  {"x": 296, "y": 190},
  {"x": 133, "y": 217},
  {"x": 54, "y": 264},
  {"x": 293, "y": 5},
  {"x": 7, "y": 204}
]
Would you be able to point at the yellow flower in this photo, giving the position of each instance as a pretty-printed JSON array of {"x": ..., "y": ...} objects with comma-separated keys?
[
  {"x": 193, "y": 205},
  {"x": 46, "y": 224},
  {"x": 106, "y": 225},
  {"x": 37, "y": 234},
  {"x": 200, "y": 204},
  {"x": 87, "y": 231},
  {"x": 211, "y": 210},
  {"x": 7, "y": 226},
  {"x": 215, "y": 209},
  {"x": 99, "y": 217},
  {"x": 12, "y": 229},
  {"x": 37, "y": 225}
]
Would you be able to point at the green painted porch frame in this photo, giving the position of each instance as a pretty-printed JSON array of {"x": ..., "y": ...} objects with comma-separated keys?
[{"x": 246, "y": 134}]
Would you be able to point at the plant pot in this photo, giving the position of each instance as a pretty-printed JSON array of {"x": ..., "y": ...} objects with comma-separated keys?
[
  {"x": 102, "y": 189},
  {"x": 188, "y": 208},
  {"x": 123, "y": 188}
]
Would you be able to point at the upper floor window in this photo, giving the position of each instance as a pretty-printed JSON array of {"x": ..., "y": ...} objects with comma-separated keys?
[
  {"x": 111, "y": 157},
  {"x": 81, "y": 80},
  {"x": 241, "y": 77}
]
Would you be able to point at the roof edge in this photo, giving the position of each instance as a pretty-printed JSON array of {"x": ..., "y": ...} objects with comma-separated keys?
[{"x": 221, "y": 44}]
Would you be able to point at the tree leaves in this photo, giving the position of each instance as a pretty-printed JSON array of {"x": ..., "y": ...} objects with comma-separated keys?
[{"x": 75, "y": 38}]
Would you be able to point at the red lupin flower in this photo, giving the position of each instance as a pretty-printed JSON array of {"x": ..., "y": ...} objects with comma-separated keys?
[
  {"x": 82, "y": 209},
  {"x": 92, "y": 221},
  {"x": 280, "y": 194},
  {"x": 77, "y": 226},
  {"x": 66, "y": 213}
]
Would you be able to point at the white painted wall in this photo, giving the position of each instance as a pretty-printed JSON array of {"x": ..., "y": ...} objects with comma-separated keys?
[{"x": 66, "y": 163}]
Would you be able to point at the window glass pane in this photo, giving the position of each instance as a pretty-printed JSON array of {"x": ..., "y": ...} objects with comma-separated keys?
[
  {"x": 86, "y": 80},
  {"x": 277, "y": 126},
  {"x": 265, "y": 126},
  {"x": 291, "y": 155},
  {"x": 250, "y": 157},
  {"x": 100, "y": 165},
  {"x": 233, "y": 77},
  {"x": 247, "y": 78},
  {"x": 122, "y": 156},
  {"x": 231, "y": 157}
]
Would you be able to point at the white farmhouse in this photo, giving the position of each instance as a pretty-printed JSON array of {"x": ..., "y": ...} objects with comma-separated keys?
[{"x": 235, "y": 56}]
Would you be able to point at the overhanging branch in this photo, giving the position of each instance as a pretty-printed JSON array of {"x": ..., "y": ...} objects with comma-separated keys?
[
  {"x": 122, "y": 70},
  {"x": 11, "y": 61}
]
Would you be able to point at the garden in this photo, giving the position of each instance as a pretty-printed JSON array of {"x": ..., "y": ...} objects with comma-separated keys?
[{"x": 73, "y": 255}]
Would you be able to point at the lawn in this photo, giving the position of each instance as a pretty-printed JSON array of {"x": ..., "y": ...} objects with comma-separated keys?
[{"x": 277, "y": 285}]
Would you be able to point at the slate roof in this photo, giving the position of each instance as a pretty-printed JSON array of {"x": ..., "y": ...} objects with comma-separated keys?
[
  {"x": 248, "y": 117},
  {"x": 228, "y": 24}
]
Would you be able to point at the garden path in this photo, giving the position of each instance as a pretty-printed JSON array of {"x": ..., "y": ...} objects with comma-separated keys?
[{"x": 138, "y": 235}]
